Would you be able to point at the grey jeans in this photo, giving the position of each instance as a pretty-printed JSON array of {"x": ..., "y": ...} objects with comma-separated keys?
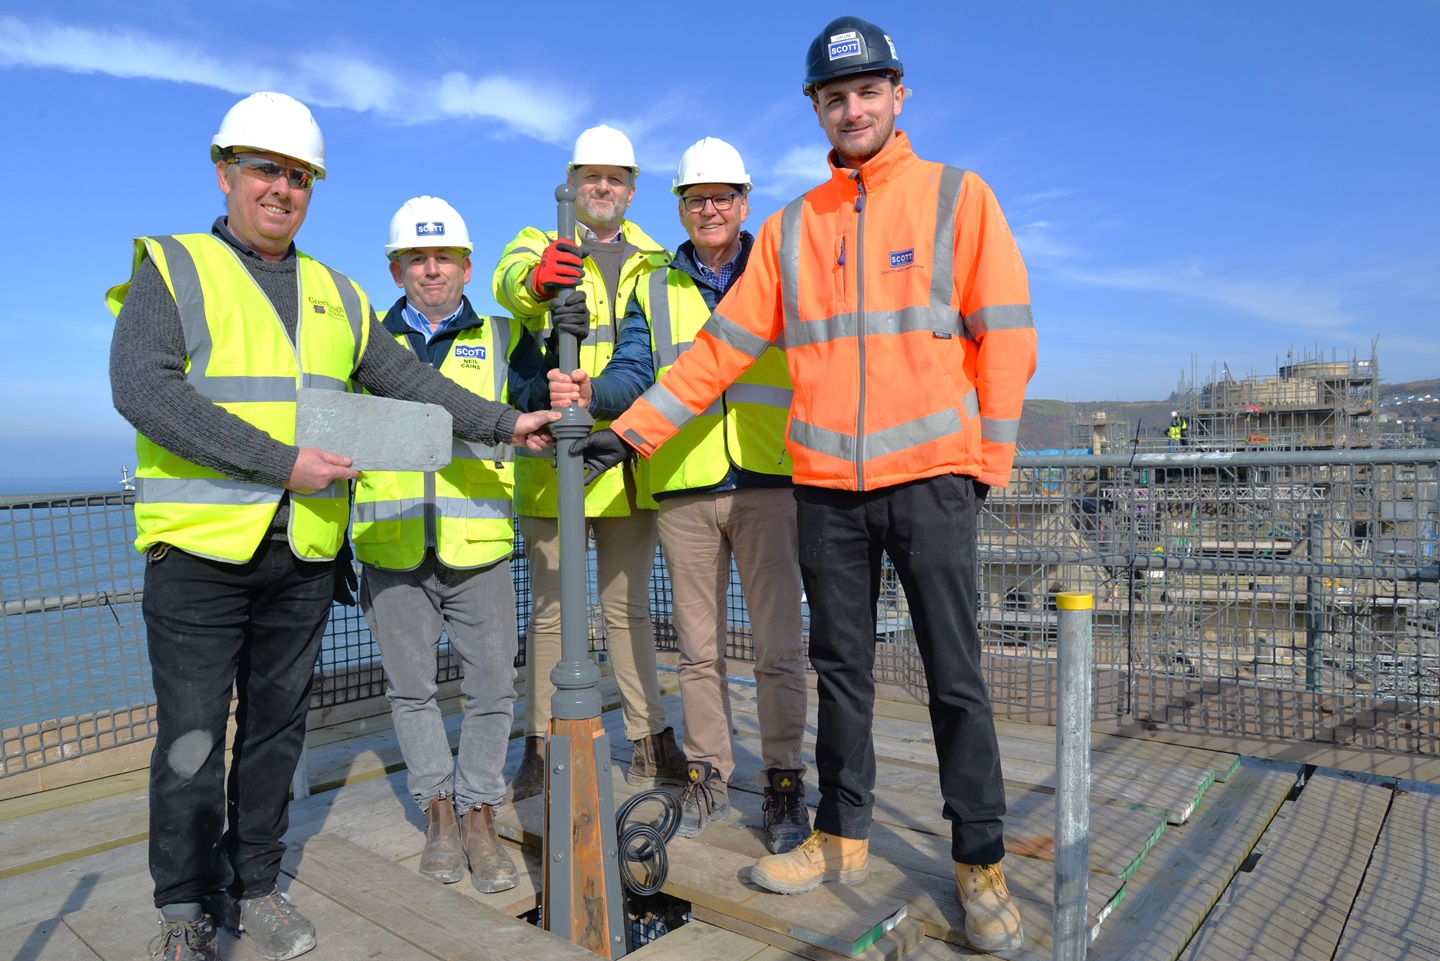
[{"x": 405, "y": 611}]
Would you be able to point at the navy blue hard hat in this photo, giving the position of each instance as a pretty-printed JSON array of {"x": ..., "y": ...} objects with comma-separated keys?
[{"x": 848, "y": 46}]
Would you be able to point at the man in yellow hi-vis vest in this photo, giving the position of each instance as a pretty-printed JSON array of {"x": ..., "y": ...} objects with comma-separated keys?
[
  {"x": 608, "y": 259},
  {"x": 436, "y": 553},
  {"x": 240, "y": 527}
]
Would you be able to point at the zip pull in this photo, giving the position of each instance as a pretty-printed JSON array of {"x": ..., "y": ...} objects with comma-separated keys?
[
  {"x": 859, "y": 197},
  {"x": 841, "y": 261}
]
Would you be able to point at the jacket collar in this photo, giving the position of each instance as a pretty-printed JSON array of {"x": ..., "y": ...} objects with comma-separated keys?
[
  {"x": 893, "y": 159},
  {"x": 395, "y": 324}
]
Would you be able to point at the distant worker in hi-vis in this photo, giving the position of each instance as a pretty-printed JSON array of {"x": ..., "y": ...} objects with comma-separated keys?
[
  {"x": 904, "y": 307},
  {"x": 724, "y": 488},
  {"x": 241, "y": 529},
  {"x": 436, "y": 553}
]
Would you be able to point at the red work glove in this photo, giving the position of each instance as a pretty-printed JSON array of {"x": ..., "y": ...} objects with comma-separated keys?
[{"x": 560, "y": 266}]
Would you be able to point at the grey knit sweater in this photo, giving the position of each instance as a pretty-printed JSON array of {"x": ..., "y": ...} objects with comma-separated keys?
[{"x": 147, "y": 379}]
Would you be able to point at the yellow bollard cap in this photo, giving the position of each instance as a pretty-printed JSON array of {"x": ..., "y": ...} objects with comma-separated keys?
[{"x": 1074, "y": 601}]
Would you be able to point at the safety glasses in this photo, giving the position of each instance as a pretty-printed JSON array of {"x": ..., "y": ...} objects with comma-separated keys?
[{"x": 269, "y": 171}]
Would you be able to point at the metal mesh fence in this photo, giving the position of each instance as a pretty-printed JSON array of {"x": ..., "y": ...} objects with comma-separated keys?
[{"x": 1279, "y": 595}]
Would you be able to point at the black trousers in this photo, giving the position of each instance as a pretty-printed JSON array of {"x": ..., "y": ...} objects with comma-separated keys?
[
  {"x": 213, "y": 627},
  {"x": 928, "y": 528}
]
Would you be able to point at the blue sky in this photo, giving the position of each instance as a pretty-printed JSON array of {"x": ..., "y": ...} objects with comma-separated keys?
[{"x": 1191, "y": 183}]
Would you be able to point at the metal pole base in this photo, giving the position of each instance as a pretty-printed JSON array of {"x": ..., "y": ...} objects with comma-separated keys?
[{"x": 583, "y": 900}]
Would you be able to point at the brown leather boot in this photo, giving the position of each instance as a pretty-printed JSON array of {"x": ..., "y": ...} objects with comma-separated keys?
[
  {"x": 442, "y": 860},
  {"x": 529, "y": 779},
  {"x": 992, "y": 922},
  {"x": 823, "y": 857},
  {"x": 657, "y": 760},
  {"x": 491, "y": 869}
]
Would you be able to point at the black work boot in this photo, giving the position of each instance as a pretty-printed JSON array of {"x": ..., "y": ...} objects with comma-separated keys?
[
  {"x": 657, "y": 760},
  {"x": 787, "y": 819},
  {"x": 704, "y": 799},
  {"x": 443, "y": 859},
  {"x": 529, "y": 779},
  {"x": 491, "y": 868}
]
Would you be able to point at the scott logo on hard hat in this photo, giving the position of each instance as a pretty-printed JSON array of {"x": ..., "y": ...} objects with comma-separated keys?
[
  {"x": 844, "y": 45},
  {"x": 433, "y": 228}
]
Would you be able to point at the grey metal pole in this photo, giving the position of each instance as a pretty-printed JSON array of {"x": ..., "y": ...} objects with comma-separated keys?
[
  {"x": 1314, "y": 601},
  {"x": 581, "y": 895},
  {"x": 1072, "y": 761}
]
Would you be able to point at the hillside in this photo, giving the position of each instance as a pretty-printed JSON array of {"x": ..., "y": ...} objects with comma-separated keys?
[{"x": 1046, "y": 424}]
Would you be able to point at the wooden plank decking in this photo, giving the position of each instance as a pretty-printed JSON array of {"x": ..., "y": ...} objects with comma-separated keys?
[{"x": 1195, "y": 855}]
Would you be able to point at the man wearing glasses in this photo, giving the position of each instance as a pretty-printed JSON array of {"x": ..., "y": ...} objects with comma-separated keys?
[
  {"x": 905, "y": 309},
  {"x": 611, "y": 257},
  {"x": 724, "y": 488},
  {"x": 241, "y": 529}
]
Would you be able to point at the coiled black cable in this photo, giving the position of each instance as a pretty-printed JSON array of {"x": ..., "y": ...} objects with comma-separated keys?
[{"x": 643, "y": 842}]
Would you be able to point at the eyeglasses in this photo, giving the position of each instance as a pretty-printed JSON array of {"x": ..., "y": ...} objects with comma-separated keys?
[
  {"x": 269, "y": 171},
  {"x": 722, "y": 203}
]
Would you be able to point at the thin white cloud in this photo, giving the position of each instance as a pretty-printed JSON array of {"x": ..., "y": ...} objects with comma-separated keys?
[
  {"x": 337, "y": 80},
  {"x": 796, "y": 170}
]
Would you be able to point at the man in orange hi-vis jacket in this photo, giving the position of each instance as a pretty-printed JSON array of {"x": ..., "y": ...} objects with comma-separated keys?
[{"x": 904, "y": 308}]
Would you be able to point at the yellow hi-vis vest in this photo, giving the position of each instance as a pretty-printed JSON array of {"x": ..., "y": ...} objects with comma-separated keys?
[
  {"x": 239, "y": 356},
  {"x": 744, "y": 426},
  {"x": 465, "y": 510},
  {"x": 536, "y": 482}
]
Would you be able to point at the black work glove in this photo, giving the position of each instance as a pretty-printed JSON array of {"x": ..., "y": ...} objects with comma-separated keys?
[
  {"x": 346, "y": 581},
  {"x": 602, "y": 450},
  {"x": 569, "y": 315},
  {"x": 561, "y": 265}
]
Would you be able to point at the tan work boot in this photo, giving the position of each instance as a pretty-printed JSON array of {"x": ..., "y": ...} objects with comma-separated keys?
[
  {"x": 442, "y": 860},
  {"x": 530, "y": 777},
  {"x": 491, "y": 869},
  {"x": 992, "y": 922},
  {"x": 823, "y": 857},
  {"x": 657, "y": 760}
]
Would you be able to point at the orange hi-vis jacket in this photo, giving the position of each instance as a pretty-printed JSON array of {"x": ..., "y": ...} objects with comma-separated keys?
[{"x": 904, "y": 310}]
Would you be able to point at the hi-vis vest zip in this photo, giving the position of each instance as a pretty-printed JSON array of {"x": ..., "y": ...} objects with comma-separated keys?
[
  {"x": 239, "y": 356},
  {"x": 744, "y": 426},
  {"x": 464, "y": 510},
  {"x": 899, "y": 293},
  {"x": 536, "y": 482}
]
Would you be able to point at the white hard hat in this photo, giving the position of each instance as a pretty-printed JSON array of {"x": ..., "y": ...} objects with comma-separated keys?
[
  {"x": 427, "y": 222},
  {"x": 274, "y": 123},
  {"x": 1174, "y": 413},
  {"x": 710, "y": 161},
  {"x": 603, "y": 145}
]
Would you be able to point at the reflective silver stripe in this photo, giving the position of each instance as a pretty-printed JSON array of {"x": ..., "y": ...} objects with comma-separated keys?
[
  {"x": 203, "y": 490},
  {"x": 716, "y": 408},
  {"x": 842, "y": 326},
  {"x": 241, "y": 390},
  {"x": 668, "y": 406},
  {"x": 727, "y": 331},
  {"x": 942, "y": 278},
  {"x": 664, "y": 351},
  {"x": 891, "y": 440},
  {"x": 470, "y": 450},
  {"x": 500, "y": 337},
  {"x": 548, "y": 453},
  {"x": 332, "y": 490},
  {"x": 350, "y": 301},
  {"x": 321, "y": 382},
  {"x": 475, "y": 508},
  {"x": 1001, "y": 431},
  {"x": 760, "y": 394},
  {"x": 189, "y": 298},
  {"x": 998, "y": 317},
  {"x": 822, "y": 440},
  {"x": 879, "y": 443},
  {"x": 453, "y": 508},
  {"x": 971, "y": 403},
  {"x": 780, "y": 340},
  {"x": 790, "y": 260},
  {"x": 522, "y": 250}
]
